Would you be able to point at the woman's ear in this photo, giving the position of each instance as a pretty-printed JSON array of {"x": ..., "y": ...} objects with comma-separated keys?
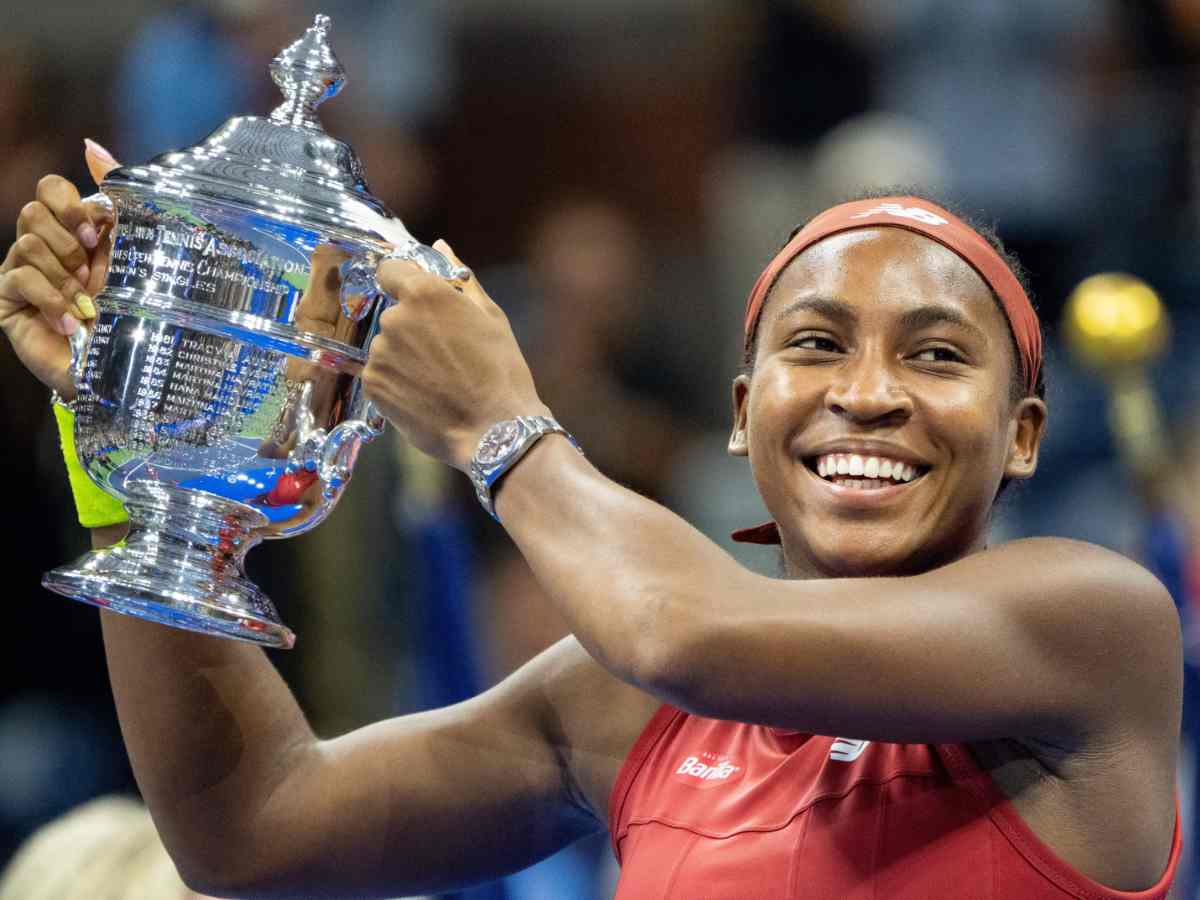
[
  {"x": 741, "y": 394},
  {"x": 1025, "y": 438}
]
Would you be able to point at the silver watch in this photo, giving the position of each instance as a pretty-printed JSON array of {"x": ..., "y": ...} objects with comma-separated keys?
[{"x": 500, "y": 448}]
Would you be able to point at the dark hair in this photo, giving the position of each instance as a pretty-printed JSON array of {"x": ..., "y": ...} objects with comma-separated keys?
[{"x": 988, "y": 233}]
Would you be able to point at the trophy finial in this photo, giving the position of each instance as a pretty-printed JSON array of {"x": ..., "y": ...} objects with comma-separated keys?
[{"x": 308, "y": 73}]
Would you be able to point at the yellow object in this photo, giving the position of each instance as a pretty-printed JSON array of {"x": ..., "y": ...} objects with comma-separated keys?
[
  {"x": 96, "y": 508},
  {"x": 1114, "y": 321},
  {"x": 86, "y": 307}
]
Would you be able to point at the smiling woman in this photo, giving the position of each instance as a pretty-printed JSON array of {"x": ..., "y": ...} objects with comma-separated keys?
[
  {"x": 856, "y": 290},
  {"x": 911, "y": 714}
]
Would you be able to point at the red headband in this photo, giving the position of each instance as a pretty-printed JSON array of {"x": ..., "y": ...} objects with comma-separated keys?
[{"x": 923, "y": 217}]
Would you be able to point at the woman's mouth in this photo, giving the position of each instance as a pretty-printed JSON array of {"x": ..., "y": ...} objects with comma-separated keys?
[{"x": 866, "y": 473}]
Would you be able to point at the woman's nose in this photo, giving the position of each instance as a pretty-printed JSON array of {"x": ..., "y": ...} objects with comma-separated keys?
[{"x": 867, "y": 390}]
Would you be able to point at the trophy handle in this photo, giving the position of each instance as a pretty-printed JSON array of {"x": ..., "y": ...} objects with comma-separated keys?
[
  {"x": 79, "y": 344},
  {"x": 361, "y": 289},
  {"x": 432, "y": 261},
  {"x": 83, "y": 334},
  {"x": 100, "y": 199}
]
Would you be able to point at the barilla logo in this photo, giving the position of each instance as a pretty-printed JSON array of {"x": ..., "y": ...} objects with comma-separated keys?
[
  {"x": 904, "y": 212},
  {"x": 692, "y": 766},
  {"x": 707, "y": 769}
]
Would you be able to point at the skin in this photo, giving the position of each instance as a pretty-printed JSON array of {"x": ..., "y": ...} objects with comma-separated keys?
[
  {"x": 1058, "y": 663},
  {"x": 830, "y": 370}
]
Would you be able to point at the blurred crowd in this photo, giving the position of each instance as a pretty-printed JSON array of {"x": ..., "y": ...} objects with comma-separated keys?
[{"x": 616, "y": 172}]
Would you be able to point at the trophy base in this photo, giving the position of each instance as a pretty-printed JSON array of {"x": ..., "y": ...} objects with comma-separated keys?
[{"x": 177, "y": 579}]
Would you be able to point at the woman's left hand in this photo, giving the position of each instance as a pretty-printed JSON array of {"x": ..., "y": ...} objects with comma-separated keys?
[{"x": 445, "y": 365}]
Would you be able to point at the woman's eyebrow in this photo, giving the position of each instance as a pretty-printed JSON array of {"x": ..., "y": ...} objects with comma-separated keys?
[
  {"x": 828, "y": 307},
  {"x": 915, "y": 319},
  {"x": 925, "y": 316}
]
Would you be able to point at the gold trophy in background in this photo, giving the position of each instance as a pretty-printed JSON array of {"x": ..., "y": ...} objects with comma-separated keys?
[{"x": 1116, "y": 327}]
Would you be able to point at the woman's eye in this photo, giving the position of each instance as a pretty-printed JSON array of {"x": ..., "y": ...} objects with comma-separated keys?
[
  {"x": 816, "y": 342},
  {"x": 939, "y": 354}
]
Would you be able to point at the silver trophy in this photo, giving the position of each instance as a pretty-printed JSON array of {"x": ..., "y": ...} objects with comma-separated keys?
[{"x": 218, "y": 392}]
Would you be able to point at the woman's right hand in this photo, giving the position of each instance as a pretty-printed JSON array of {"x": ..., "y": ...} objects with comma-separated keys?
[{"x": 53, "y": 270}]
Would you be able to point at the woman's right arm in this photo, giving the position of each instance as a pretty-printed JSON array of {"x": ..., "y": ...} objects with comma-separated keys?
[{"x": 247, "y": 799}]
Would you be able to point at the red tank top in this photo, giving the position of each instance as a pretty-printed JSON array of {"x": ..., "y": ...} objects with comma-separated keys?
[{"x": 712, "y": 810}]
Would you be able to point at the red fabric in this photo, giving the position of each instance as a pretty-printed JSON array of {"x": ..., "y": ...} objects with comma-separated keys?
[
  {"x": 724, "y": 810},
  {"x": 936, "y": 223}
]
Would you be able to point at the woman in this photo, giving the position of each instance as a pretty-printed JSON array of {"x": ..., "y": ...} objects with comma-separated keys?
[{"x": 911, "y": 714}]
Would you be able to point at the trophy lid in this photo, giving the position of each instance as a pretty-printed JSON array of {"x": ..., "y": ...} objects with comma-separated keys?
[{"x": 285, "y": 166}]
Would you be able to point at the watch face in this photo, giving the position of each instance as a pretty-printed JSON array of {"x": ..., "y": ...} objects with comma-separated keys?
[{"x": 499, "y": 441}]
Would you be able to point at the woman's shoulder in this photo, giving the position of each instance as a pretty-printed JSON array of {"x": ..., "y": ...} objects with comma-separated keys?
[{"x": 1079, "y": 570}]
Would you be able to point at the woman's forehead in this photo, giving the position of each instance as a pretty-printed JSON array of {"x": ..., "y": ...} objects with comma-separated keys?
[{"x": 890, "y": 265}]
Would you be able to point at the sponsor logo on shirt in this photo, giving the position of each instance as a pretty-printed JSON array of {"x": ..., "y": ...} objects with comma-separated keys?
[
  {"x": 706, "y": 769},
  {"x": 847, "y": 749},
  {"x": 904, "y": 212}
]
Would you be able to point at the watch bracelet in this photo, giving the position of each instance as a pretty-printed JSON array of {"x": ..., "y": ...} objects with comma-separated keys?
[{"x": 545, "y": 425}]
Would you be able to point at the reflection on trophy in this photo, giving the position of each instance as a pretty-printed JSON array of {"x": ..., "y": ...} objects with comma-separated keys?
[
  {"x": 1116, "y": 326},
  {"x": 218, "y": 393}
]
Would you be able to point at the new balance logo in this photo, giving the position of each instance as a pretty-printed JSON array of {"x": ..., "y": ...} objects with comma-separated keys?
[
  {"x": 904, "y": 212},
  {"x": 692, "y": 766},
  {"x": 847, "y": 749}
]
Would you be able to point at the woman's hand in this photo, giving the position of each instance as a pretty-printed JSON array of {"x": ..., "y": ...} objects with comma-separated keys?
[
  {"x": 50, "y": 274},
  {"x": 445, "y": 364}
]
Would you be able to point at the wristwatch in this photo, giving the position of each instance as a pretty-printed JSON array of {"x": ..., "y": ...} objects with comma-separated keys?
[{"x": 500, "y": 448}]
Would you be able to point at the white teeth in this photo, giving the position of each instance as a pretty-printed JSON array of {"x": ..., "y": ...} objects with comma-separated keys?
[{"x": 872, "y": 468}]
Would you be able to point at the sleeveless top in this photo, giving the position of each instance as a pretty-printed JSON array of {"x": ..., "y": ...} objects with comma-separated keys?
[{"x": 704, "y": 809}]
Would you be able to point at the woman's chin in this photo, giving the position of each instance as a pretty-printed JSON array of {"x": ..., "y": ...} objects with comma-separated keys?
[{"x": 856, "y": 556}]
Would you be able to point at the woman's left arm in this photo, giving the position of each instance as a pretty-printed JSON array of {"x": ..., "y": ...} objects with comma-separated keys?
[
  {"x": 1045, "y": 638},
  {"x": 1040, "y": 638}
]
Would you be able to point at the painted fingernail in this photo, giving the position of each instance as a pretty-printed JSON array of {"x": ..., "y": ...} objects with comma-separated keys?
[
  {"x": 68, "y": 324},
  {"x": 87, "y": 235},
  {"x": 98, "y": 150},
  {"x": 86, "y": 307},
  {"x": 82, "y": 273}
]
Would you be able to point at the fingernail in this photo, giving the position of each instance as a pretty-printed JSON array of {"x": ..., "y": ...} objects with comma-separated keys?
[
  {"x": 98, "y": 150},
  {"x": 86, "y": 307},
  {"x": 82, "y": 273},
  {"x": 87, "y": 235},
  {"x": 68, "y": 324}
]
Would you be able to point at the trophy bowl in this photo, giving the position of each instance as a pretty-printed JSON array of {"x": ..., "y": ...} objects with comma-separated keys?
[{"x": 218, "y": 391}]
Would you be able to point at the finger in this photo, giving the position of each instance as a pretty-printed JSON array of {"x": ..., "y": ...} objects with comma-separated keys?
[
  {"x": 36, "y": 218},
  {"x": 26, "y": 286},
  {"x": 101, "y": 258},
  {"x": 99, "y": 161},
  {"x": 31, "y": 250},
  {"x": 63, "y": 200},
  {"x": 403, "y": 279},
  {"x": 471, "y": 287}
]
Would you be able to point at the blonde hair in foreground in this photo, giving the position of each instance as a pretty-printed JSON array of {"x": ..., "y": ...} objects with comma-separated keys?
[{"x": 106, "y": 849}]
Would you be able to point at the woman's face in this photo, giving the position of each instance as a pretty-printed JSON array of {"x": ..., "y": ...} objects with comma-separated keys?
[{"x": 880, "y": 349}]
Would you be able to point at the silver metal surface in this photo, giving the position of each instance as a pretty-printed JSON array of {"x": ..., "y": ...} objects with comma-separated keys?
[{"x": 218, "y": 391}]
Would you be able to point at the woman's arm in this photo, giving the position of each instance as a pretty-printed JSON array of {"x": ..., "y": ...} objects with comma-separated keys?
[
  {"x": 1041, "y": 638},
  {"x": 250, "y": 802},
  {"x": 1047, "y": 638}
]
